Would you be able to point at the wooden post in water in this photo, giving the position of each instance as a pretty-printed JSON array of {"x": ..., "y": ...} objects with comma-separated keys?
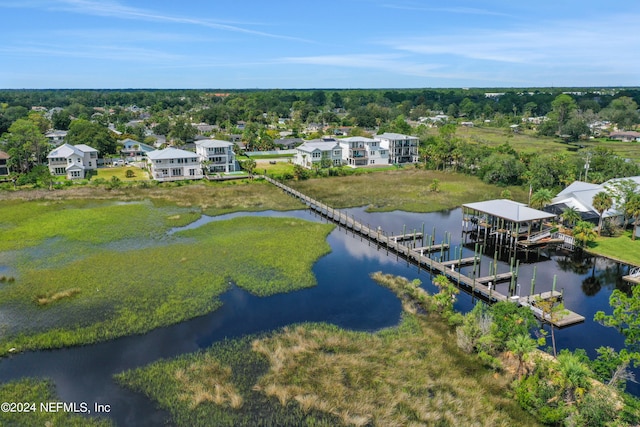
[
  {"x": 495, "y": 267},
  {"x": 553, "y": 289},
  {"x": 533, "y": 283},
  {"x": 422, "y": 244}
]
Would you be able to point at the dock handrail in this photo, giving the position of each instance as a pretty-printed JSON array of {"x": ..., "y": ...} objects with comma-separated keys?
[{"x": 634, "y": 272}]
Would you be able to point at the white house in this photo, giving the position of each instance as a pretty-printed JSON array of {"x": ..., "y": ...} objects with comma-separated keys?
[
  {"x": 402, "y": 148},
  {"x": 134, "y": 150},
  {"x": 219, "y": 154},
  {"x": 73, "y": 160},
  {"x": 361, "y": 151},
  {"x": 173, "y": 164},
  {"x": 321, "y": 152},
  {"x": 579, "y": 195}
]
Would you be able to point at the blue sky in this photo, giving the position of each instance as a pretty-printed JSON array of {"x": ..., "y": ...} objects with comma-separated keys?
[{"x": 325, "y": 44}]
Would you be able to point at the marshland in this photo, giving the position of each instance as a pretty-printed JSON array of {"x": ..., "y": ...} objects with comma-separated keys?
[{"x": 123, "y": 264}]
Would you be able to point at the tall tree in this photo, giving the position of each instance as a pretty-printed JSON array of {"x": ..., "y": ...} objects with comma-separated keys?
[
  {"x": 632, "y": 210},
  {"x": 583, "y": 232},
  {"x": 26, "y": 145},
  {"x": 602, "y": 202},
  {"x": 571, "y": 215},
  {"x": 92, "y": 134}
]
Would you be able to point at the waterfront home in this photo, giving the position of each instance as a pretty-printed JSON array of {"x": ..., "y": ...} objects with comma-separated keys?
[
  {"x": 579, "y": 195},
  {"x": 72, "y": 161},
  {"x": 323, "y": 152},
  {"x": 361, "y": 151},
  {"x": 174, "y": 164},
  {"x": 219, "y": 155},
  {"x": 401, "y": 148},
  {"x": 134, "y": 150},
  {"x": 4, "y": 163}
]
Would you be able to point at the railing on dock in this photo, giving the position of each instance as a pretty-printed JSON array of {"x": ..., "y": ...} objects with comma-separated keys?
[{"x": 482, "y": 287}]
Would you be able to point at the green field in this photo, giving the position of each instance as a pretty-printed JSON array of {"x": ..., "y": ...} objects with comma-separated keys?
[
  {"x": 406, "y": 189},
  {"x": 121, "y": 173},
  {"x": 620, "y": 248}
]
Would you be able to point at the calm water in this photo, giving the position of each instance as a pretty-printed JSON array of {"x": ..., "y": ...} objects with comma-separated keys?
[{"x": 345, "y": 296}]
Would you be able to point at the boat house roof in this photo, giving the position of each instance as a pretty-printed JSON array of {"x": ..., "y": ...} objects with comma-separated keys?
[{"x": 509, "y": 210}]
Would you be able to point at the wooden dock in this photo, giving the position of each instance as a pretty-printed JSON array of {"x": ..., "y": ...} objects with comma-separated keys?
[
  {"x": 478, "y": 287},
  {"x": 461, "y": 262},
  {"x": 633, "y": 276}
]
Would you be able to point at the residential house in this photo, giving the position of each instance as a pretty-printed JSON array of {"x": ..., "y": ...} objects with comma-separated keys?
[
  {"x": 579, "y": 195},
  {"x": 73, "y": 161},
  {"x": 219, "y": 154},
  {"x": 134, "y": 150},
  {"x": 174, "y": 164},
  {"x": 288, "y": 143},
  {"x": 4, "y": 163},
  {"x": 628, "y": 136},
  {"x": 361, "y": 151},
  {"x": 401, "y": 148},
  {"x": 56, "y": 137},
  {"x": 323, "y": 152}
]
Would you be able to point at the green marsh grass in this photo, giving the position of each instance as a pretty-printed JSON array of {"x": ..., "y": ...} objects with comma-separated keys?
[
  {"x": 124, "y": 292},
  {"x": 37, "y": 391},
  {"x": 412, "y": 374},
  {"x": 404, "y": 189}
]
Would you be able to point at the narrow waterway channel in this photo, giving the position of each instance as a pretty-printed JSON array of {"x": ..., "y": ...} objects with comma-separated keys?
[{"x": 345, "y": 296}]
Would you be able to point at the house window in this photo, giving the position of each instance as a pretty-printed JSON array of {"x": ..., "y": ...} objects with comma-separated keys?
[
  {"x": 372, "y": 162},
  {"x": 176, "y": 172},
  {"x": 337, "y": 153},
  {"x": 170, "y": 160},
  {"x": 89, "y": 164},
  {"x": 192, "y": 172}
]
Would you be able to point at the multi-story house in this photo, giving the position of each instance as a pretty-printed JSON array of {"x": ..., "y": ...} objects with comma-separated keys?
[
  {"x": 74, "y": 161},
  {"x": 4, "y": 163},
  {"x": 361, "y": 151},
  {"x": 323, "y": 152},
  {"x": 219, "y": 155},
  {"x": 173, "y": 164},
  {"x": 402, "y": 148},
  {"x": 134, "y": 150}
]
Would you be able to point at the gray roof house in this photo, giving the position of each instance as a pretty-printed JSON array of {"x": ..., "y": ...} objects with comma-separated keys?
[
  {"x": 319, "y": 152},
  {"x": 174, "y": 164},
  {"x": 74, "y": 161}
]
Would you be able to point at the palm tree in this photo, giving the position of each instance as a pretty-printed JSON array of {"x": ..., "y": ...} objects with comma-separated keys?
[
  {"x": 602, "y": 202},
  {"x": 571, "y": 215},
  {"x": 521, "y": 345},
  {"x": 632, "y": 210},
  {"x": 249, "y": 165},
  {"x": 574, "y": 375},
  {"x": 583, "y": 231},
  {"x": 541, "y": 198}
]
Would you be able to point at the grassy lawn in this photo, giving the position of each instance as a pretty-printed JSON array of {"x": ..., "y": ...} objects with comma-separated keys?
[
  {"x": 121, "y": 173},
  {"x": 404, "y": 189},
  {"x": 88, "y": 270},
  {"x": 318, "y": 374},
  {"x": 620, "y": 248},
  {"x": 524, "y": 141},
  {"x": 38, "y": 391}
]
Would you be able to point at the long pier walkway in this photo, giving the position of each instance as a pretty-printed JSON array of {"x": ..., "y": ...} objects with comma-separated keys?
[{"x": 483, "y": 287}]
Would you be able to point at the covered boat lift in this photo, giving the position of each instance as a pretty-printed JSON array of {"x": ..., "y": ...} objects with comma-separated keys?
[{"x": 512, "y": 223}]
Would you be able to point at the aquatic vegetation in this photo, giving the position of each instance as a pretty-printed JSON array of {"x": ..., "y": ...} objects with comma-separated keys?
[
  {"x": 317, "y": 374},
  {"x": 130, "y": 278}
]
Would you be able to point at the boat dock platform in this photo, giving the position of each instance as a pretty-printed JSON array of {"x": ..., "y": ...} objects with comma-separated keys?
[{"x": 482, "y": 287}]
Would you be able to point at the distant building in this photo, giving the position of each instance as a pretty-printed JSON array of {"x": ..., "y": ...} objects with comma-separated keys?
[
  {"x": 4, "y": 163},
  {"x": 134, "y": 150},
  {"x": 56, "y": 137},
  {"x": 402, "y": 148},
  {"x": 628, "y": 136},
  {"x": 73, "y": 161},
  {"x": 288, "y": 143},
  {"x": 174, "y": 164}
]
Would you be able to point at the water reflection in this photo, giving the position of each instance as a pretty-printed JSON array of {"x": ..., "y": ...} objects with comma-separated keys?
[{"x": 345, "y": 295}]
